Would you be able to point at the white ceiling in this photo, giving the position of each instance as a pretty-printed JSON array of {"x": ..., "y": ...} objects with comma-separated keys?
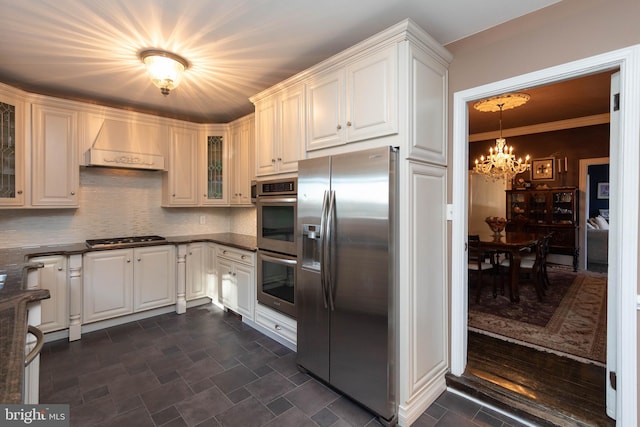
[{"x": 88, "y": 49}]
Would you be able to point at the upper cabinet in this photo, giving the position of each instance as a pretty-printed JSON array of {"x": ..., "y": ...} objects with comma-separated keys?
[
  {"x": 280, "y": 131},
  {"x": 180, "y": 182},
  {"x": 55, "y": 172},
  {"x": 41, "y": 171},
  {"x": 12, "y": 144},
  {"x": 355, "y": 101},
  {"x": 241, "y": 162},
  {"x": 213, "y": 168}
]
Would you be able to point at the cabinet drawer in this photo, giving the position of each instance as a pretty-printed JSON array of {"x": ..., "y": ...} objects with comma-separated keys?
[
  {"x": 237, "y": 255},
  {"x": 277, "y": 323}
]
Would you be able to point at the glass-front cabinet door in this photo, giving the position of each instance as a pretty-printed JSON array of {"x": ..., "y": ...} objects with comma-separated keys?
[
  {"x": 11, "y": 151},
  {"x": 215, "y": 171}
]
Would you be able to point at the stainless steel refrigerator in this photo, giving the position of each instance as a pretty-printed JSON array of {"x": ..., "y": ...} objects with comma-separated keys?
[{"x": 346, "y": 274}]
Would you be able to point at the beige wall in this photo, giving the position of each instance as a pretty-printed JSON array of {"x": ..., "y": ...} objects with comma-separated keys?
[{"x": 567, "y": 31}]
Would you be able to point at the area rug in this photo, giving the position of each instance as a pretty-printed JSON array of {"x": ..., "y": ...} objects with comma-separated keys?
[{"x": 571, "y": 321}]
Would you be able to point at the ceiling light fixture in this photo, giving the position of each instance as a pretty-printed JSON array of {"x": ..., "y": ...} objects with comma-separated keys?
[
  {"x": 501, "y": 162},
  {"x": 165, "y": 68}
]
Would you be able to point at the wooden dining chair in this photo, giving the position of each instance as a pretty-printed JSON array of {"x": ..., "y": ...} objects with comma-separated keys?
[
  {"x": 533, "y": 265},
  {"x": 478, "y": 263}
]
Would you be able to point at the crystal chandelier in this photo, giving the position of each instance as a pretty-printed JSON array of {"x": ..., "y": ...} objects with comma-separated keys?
[{"x": 501, "y": 163}]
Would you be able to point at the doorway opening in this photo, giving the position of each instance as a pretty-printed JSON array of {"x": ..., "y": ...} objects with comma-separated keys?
[
  {"x": 623, "y": 248},
  {"x": 534, "y": 329}
]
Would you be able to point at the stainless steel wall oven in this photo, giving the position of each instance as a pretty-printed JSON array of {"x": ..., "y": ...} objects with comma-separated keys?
[
  {"x": 276, "y": 281},
  {"x": 276, "y": 205},
  {"x": 277, "y": 212}
]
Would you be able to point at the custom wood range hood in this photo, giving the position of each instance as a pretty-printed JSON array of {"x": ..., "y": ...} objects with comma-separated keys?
[{"x": 120, "y": 144}]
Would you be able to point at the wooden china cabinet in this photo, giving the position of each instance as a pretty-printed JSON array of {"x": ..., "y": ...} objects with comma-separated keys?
[{"x": 544, "y": 211}]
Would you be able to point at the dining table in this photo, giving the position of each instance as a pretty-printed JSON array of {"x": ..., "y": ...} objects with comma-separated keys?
[{"x": 513, "y": 243}]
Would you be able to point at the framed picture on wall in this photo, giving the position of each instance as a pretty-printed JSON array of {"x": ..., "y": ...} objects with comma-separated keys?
[
  {"x": 543, "y": 169},
  {"x": 603, "y": 190}
]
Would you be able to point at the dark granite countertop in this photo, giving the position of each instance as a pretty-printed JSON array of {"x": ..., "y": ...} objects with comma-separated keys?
[
  {"x": 13, "y": 334},
  {"x": 13, "y": 259}
]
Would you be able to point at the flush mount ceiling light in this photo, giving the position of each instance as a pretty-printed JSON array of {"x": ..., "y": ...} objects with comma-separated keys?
[
  {"x": 501, "y": 162},
  {"x": 165, "y": 68}
]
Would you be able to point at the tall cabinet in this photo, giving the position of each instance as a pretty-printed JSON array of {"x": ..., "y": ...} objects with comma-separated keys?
[{"x": 389, "y": 90}]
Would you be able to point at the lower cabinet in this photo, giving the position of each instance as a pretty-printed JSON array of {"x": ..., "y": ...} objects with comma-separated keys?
[
  {"x": 236, "y": 280},
  {"x": 196, "y": 271},
  {"x": 53, "y": 276},
  {"x": 284, "y": 327},
  {"x": 123, "y": 281}
]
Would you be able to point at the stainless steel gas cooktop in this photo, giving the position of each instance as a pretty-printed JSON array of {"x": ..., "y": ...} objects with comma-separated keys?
[{"x": 124, "y": 241}]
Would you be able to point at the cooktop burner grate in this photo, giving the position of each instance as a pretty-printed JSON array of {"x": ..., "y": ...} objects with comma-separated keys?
[{"x": 124, "y": 241}]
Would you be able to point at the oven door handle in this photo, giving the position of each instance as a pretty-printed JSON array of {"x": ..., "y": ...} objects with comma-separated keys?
[
  {"x": 323, "y": 228},
  {"x": 271, "y": 199},
  {"x": 277, "y": 260}
]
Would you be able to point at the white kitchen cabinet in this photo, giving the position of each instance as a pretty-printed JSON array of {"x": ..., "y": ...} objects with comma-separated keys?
[
  {"x": 236, "y": 280},
  {"x": 355, "y": 101},
  {"x": 280, "y": 327},
  {"x": 154, "y": 277},
  {"x": 52, "y": 276},
  {"x": 180, "y": 182},
  {"x": 241, "y": 162},
  {"x": 55, "y": 173},
  {"x": 122, "y": 281},
  {"x": 280, "y": 131},
  {"x": 12, "y": 146},
  {"x": 196, "y": 268},
  {"x": 214, "y": 168},
  {"x": 108, "y": 284}
]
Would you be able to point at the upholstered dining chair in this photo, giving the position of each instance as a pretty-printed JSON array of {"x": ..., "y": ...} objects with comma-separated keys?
[
  {"x": 477, "y": 265},
  {"x": 534, "y": 265}
]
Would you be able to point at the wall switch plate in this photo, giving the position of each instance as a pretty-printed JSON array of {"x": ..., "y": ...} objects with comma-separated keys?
[{"x": 203, "y": 219}]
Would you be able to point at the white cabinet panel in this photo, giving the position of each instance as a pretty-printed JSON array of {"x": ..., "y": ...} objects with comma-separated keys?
[
  {"x": 354, "y": 102},
  {"x": 241, "y": 161},
  {"x": 108, "y": 284},
  {"x": 196, "y": 267},
  {"x": 180, "y": 182},
  {"x": 124, "y": 281},
  {"x": 154, "y": 279},
  {"x": 237, "y": 283},
  {"x": 55, "y": 170},
  {"x": 53, "y": 276},
  {"x": 280, "y": 131}
]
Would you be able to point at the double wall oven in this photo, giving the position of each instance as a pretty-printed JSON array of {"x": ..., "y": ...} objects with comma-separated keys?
[{"x": 276, "y": 204}]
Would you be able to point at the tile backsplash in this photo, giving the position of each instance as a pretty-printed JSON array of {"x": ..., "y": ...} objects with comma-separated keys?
[{"x": 118, "y": 202}]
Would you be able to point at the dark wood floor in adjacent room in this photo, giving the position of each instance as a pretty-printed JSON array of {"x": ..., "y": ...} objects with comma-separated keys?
[{"x": 539, "y": 386}]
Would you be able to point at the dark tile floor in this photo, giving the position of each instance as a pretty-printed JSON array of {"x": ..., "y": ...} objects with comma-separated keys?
[{"x": 206, "y": 368}]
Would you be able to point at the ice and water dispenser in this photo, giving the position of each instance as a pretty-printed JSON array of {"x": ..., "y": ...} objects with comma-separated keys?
[{"x": 311, "y": 238}]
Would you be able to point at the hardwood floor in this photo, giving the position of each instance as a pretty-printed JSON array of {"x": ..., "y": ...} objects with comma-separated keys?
[{"x": 537, "y": 386}]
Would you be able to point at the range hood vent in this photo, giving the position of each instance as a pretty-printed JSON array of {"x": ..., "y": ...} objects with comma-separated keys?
[{"x": 121, "y": 144}]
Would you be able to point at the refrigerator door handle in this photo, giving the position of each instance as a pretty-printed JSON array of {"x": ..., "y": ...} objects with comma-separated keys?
[
  {"x": 322, "y": 243},
  {"x": 329, "y": 247}
]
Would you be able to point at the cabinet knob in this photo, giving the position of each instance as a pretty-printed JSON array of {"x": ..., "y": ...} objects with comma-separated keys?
[
  {"x": 128, "y": 260},
  {"x": 279, "y": 159},
  {"x": 224, "y": 251},
  {"x": 230, "y": 274},
  {"x": 19, "y": 191},
  {"x": 73, "y": 193},
  {"x": 338, "y": 127},
  {"x": 277, "y": 327},
  {"x": 173, "y": 195},
  {"x": 59, "y": 268},
  {"x": 139, "y": 259},
  {"x": 243, "y": 257},
  {"x": 273, "y": 160},
  {"x": 190, "y": 253},
  {"x": 348, "y": 123}
]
